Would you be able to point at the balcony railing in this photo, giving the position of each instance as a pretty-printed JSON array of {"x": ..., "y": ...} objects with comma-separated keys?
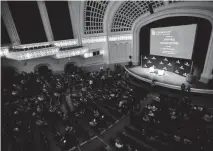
[
  {"x": 57, "y": 49},
  {"x": 31, "y": 54},
  {"x": 71, "y": 52}
]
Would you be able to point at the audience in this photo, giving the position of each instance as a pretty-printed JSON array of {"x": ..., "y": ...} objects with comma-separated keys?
[
  {"x": 176, "y": 122},
  {"x": 37, "y": 105},
  {"x": 49, "y": 102}
]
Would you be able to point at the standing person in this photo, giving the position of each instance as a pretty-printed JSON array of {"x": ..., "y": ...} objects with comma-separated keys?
[
  {"x": 63, "y": 103},
  {"x": 130, "y": 61},
  {"x": 69, "y": 102}
]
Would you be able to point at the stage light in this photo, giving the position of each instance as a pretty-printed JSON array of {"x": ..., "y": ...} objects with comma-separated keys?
[
  {"x": 84, "y": 51},
  {"x": 74, "y": 53},
  {"x": 66, "y": 43},
  {"x": 4, "y": 51},
  {"x": 94, "y": 40},
  {"x": 120, "y": 37},
  {"x": 151, "y": 70},
  {"x": 78, "y": 52}
]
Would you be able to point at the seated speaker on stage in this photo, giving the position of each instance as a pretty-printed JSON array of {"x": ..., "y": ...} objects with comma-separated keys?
[
  {"x": 151, "y": 69},
  {"x": 160, "y": 72}
]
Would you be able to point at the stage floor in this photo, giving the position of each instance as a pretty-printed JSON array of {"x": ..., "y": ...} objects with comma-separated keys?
[{"x": 169, "y": 79}]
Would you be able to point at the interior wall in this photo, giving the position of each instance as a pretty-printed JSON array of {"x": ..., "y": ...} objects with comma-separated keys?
[
  {"x": 120, "y": 51},
  {"x": 96, "y": 60},
  {"x": 57, "y": 65},
  {"x": 29, "y": 65}
]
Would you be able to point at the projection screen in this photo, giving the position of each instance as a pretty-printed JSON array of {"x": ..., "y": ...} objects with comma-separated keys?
[{"x": 173, "y": 41}]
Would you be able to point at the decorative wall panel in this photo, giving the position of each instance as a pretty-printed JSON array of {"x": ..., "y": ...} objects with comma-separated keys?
[{"x": 178, "y": 66}]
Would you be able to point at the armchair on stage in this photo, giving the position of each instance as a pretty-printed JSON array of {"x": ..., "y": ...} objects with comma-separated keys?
[{"x": 156, "y": 71}]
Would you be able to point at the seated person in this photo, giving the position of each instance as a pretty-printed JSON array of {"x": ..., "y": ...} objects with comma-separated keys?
[
  {"x": 65, "y": 116},
  {"x": 154, "y": 108},
  {"x": 121, "y": 103},
  {"x": 208, "y": 117},
  {"x": 173, "y": 116},
  {"x": 91, "y": 83},
  {"x": 146, "y": 118},
  {"x": 93, "y": 122},
  {"x": 151, "y": 114},
  {"x": 119, "y": 144},
  {"x": 96, "y": 113},
  {"x": 69, "y": 129}
]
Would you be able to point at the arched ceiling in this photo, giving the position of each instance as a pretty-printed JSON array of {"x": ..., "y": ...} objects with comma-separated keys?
[
  {"x": 93, "y": 16},
  {"x": 129, "y": 11},
  {"x": 123, "y": 19}
]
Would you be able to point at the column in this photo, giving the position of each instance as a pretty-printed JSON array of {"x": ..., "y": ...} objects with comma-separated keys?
[
  {"x": 106, "y": 52},
  {"x": 208, "y": 66},
  {"x": 9, "y": 23},
  {"x": 45, "y": 20},
  {"x": 74, "y": 10}
]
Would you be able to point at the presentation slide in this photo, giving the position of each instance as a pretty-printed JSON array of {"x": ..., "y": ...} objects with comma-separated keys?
[{"x": 173, "y": 41}]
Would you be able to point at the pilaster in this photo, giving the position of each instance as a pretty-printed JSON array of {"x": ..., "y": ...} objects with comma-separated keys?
[
  {"x": 9, "y": 23},
  {"x": 45, "y": 20}
]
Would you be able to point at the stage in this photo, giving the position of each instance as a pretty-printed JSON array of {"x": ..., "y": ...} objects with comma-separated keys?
[{"x": 168, "y": 80}]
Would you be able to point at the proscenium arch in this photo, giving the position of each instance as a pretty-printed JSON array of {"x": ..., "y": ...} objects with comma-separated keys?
[
  {"x": 194, "y": 9},
  {"x": 202, "y": 13},
  {"x": 113, "y": 6}
]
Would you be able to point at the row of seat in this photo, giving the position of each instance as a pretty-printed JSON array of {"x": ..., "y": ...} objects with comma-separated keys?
[
  {"x": 124, "y": 142},
  {"x": 173, "y": 124}
]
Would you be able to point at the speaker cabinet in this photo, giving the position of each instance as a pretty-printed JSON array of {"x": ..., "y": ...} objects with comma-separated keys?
[{"x": 151, "y": 8}]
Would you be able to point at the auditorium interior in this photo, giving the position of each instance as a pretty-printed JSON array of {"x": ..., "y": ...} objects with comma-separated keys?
[{"x": 102, "y": 75}]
